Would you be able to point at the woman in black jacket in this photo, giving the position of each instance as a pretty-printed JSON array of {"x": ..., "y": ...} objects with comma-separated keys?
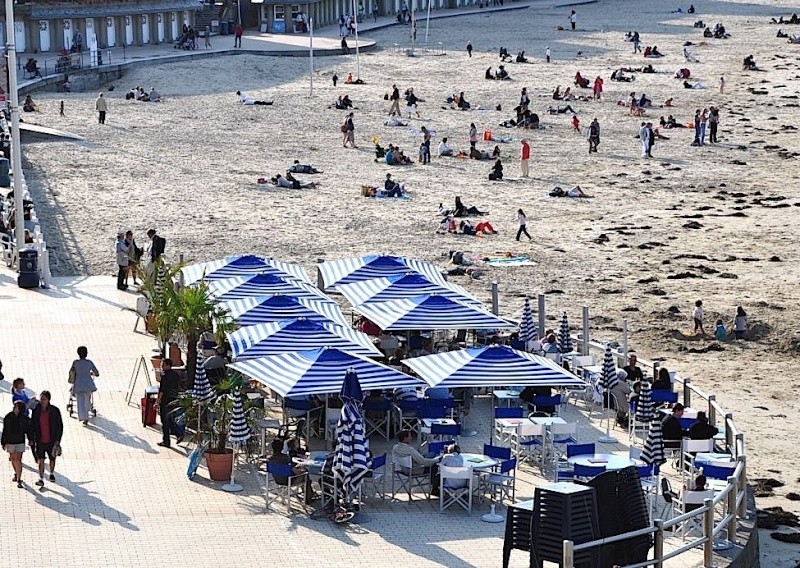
[{"x": 15, "y": 429}]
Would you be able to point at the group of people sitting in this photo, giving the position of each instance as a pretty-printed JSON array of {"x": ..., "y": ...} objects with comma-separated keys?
[
  {"x": 619, "y": 75},
  {"x": 524, "y": 119},
  {"x": 500, "y": 75},
  {"x": 393, "y": 155},
  {"x": 342, "y": 103},
  {"x": 459, "y": 101},
  {"x": 139, "y": 94},
  {"x": 449, "y": 225},
  {"x": 460, "y": 210},
  {"x": 670, "y": 122},
  {"x": 718, "y": 32},
  {"x": 506, "y": 56},
  {"x": 652, "y": 52},
  {"x": 749, "y": 64},
  {"x": 580, "y": 81},
  {"x": 290, "y": 182},
  {"x": 475, "y": 154},
  {"x": 793, "y": 19}
]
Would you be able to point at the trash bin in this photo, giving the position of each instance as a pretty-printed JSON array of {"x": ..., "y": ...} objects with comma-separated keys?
[
  {"x": 5, "y": 179},
  {"x": 28, "y": 268},
  {"x": 223, "y": 27}
]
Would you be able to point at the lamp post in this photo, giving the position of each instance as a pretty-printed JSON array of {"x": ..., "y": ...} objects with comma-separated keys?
[
  {"x": 16, "y": 150},
  {"x": 311, "y": 57}
]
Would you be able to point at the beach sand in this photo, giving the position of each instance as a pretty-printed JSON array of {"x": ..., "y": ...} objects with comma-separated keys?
[{"x": 691, "y": 223}]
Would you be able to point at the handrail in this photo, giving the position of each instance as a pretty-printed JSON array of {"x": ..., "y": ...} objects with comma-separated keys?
[{"x": 733, "y": 496}]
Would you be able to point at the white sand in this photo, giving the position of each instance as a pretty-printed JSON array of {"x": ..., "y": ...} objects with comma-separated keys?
[{"x": 188, "y": 166}]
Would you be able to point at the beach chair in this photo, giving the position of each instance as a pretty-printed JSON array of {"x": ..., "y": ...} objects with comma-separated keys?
[
  {"x": 293, "y": 489},
  {"x": 375, "y": 477},
  {"x": 587, "y": 472},
  {"x": 410, "y": 477},
  {"x": 461, "y": 494},
  {"x": 377, "y": 417}
]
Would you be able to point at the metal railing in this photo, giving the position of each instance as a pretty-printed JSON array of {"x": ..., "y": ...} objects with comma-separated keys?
[
  {"x": 732, "y": 499},
  {"x": 64, "y": 64}
]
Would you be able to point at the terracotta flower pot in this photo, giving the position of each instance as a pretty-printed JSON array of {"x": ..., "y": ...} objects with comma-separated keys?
[
  {"x": 156, "y": 363},
  {"x": 220, "y": 465}
]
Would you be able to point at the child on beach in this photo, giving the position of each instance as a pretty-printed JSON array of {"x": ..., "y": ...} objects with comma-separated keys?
[
  {"x": 740, "y": 323},
  {"x": 697, "y": 315},
  {"x": 576, "y": 123},
  {"x": 720, "y": 333}
]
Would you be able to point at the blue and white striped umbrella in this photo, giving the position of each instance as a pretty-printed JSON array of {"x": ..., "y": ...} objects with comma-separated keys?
[
  {"x": 299, "y": 334},
  {"x": 527, "y": 329},
  {"x": 653, "y": 450},
  {"x": 256, "y": 285},
  {"x": 352, "y": 459},
  {"x": 401, "y": 286},
  {"x": 430, "y": 312},
  {"x": 320, "y": 371},
  {"x": 495, "y": 365},
  {"x": 264, "y": 309},
  {"x": 239, "y": 431},
  {"x": 608, "y": 379},
  {"x": 564, "y": 338},
  {"x": 644, "y": 404},
  {"x": 349, "y": 270},
  {"x": 201, "y": 389},
  {"x": 242, "y": 265}
]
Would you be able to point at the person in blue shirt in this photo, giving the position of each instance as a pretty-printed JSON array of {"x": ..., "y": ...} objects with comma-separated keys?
[{"x": 390, "y": 155}]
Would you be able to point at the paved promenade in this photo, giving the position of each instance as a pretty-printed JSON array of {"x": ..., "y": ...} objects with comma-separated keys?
[{"x": 121, "y": 500}]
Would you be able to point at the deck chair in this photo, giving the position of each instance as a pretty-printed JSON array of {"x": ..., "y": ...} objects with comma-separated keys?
[
  {"x": 461, "y": 495},
  {"x": 377, "y": 417},
  {"x": 691, "y": 500},
  {"x": 375, "y": 477},
  {"x": 410, "y": 477},
  {"x": 293, "y": 489},
  {"x": 527, "y": 440}
]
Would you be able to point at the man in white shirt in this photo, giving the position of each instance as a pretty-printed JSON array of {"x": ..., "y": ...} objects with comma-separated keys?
[
  {"x": 444, "y": 148},
  {"x": 246, "y": 99}
]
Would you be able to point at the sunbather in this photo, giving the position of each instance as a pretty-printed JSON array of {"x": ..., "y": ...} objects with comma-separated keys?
[
  {"x": 575, "y": 192},
  {"x": 298, "y": 168}
]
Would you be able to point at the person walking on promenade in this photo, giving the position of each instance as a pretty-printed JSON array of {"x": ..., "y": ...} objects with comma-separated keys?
[
  {"x": 168, "y": 392},
  {"x": 82, "y": 374},
  {"x": 237, "y": 35},
  {"x": 207, "y": 37},
  {"x": 101, "y": 105},
  {"x": 122, "y": 261},
  {"x": 523, "y": 224},
  {"x": 15, "y": 428},
  {"x": 395, "y": 98},
  {"x": 594, "y": 136},
  {"x": 469, "y": 49},
  {"x": 525, "y": 155},
  {"x": 45, "y": 434}
]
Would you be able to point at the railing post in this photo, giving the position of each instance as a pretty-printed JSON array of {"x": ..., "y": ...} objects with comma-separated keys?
[
  {"x": 738, "y": 443},
  {"x": 585, "y": 345},
  {"x": 729, "y": 440},
  {"x": 656, "y": 366},
  {"x": 541, "y": 316},
  {"x": 731, "y": 507},
  {"x": 742, "y": 512},
  {"x": 708, "y": 533},
  {"x": 568, "y": 555},
  {"x": 658, "y": 544},
  {"x": 712, "y": 412},
  {"x": 495, "y": 298},
  {"x": 687, "y": 392},
  {"x": 624, "y": 342}
]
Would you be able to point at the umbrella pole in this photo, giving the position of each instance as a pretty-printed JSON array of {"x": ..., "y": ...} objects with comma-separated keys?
[
  {"x": 233, "y": 487},
  {"x": 608, "y": 438}
]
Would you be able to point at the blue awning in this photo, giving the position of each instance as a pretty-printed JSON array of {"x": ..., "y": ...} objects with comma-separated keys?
[
  {"x": 229, "y": 289},
  {"x": 242, "y": 265},
  {"x": 349, "y": 270},
  {"x": 255, "y": 310},
  {"x": 401, "y": 286}
]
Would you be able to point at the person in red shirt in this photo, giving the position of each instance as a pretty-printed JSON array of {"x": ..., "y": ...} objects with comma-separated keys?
[
  {"x": 237, "y": 32},
  {"x": 525, "y": 156},
  {"x": 45, "y": 434},
  {"x": 576, "y": 123}
]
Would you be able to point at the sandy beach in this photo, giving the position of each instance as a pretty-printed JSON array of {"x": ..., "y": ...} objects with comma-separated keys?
[{"x": 712, "y": 223}]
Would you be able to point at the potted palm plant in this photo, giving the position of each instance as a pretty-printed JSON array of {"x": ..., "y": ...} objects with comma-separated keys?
[{"x": 158, "y": 288}]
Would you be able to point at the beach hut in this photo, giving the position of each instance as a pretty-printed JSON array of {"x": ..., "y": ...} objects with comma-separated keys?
[
  {"x": 299, "y": 334},
  {"x": 242, "y": 265}
]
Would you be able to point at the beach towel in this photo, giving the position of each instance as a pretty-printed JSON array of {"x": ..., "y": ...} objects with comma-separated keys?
[{"x": 511, "y": 261}]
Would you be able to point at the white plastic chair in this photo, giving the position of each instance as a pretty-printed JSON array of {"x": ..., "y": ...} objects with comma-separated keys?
[{"x": 461, "y": 495}]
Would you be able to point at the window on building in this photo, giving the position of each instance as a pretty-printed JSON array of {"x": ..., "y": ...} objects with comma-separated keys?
[
  {"x": 279, "y": 12},
  {"x": 295, "y": 11}
]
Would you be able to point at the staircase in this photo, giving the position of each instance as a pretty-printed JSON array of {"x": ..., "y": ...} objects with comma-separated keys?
[{"x": 208, "y": 12}]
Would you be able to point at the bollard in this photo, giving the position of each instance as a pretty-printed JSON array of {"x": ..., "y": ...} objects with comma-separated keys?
[
  {"x": 687, "y": 392},
  {"x": 658, "y": 544},
  {"x": 712, "y": 412},
  {"x": 568, "y": 555},
  {"x": 708, "y": 533},
  {"x": 731, "y": 507},
  {"x": 541, "y": 316},
  {"x": 585, "y": 345},
  {"x": 495, "y": 298}
]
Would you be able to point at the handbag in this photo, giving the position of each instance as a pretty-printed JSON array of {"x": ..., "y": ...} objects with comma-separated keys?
[{"x": 72, "y": 374}]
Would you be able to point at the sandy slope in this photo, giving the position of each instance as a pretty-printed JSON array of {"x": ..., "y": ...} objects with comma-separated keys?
[{"x": 188, "y": 167}]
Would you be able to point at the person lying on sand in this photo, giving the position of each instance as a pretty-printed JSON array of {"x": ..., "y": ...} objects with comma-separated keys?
[
  {"x": 561, "y": 110},
  {"x": 394, "y": 120},
  {"x": 670, "y": 122},
  {"x": 476, "y": 154},
  {"x": 447, "y": 225},
  {"x": 247, "y": 100},
  {"x": 481, "y": 228},
  {"x": 575, "y": 192},
  {"x": 298, "y": 168},
  {"x": 695, "y": 85},
  {"x": 619, "y": 75},
  {"x": 290, "y": 182}
]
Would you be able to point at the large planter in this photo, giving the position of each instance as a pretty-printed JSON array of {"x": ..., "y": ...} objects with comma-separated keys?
[{"x": 220, "y": 465}]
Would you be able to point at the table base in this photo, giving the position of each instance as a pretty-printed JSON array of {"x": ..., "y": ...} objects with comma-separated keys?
[{"x": 492, "y": 517}]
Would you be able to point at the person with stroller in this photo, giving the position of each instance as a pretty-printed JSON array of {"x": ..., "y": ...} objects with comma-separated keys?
[{"x": 81, "y": 376}]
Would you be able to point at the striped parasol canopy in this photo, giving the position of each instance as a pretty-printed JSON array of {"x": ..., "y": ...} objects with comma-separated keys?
[
  {"x": 527, "y": 329},
  {"x": 608, "y": 380},
  {"x": 349, "y": 270},
  {"x": 299, "y": 334},
  {"x": 401, "y": 286},
  {"x": 644, "y": 404},
  {"x": 653, "y": 451},
  {"x": 564, "y": 338},
  {"x": 264, "y": 309},
  {"x": 352, "y": 459},
  {"x": 320, "y": 371},
  {"x": 430, "y": 311},
  {"x": 495, "y": 365},
  {"x": 239, "y": 431},
  {"x": 242, "y": 265},
  {"x": 256, "y": 285},
  {"x": 201, "y": 389}
]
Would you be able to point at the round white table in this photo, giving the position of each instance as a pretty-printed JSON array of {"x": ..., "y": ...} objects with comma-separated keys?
[
  {"x": 610, "y": 461},
  {"x": 478, "y": 461}
]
